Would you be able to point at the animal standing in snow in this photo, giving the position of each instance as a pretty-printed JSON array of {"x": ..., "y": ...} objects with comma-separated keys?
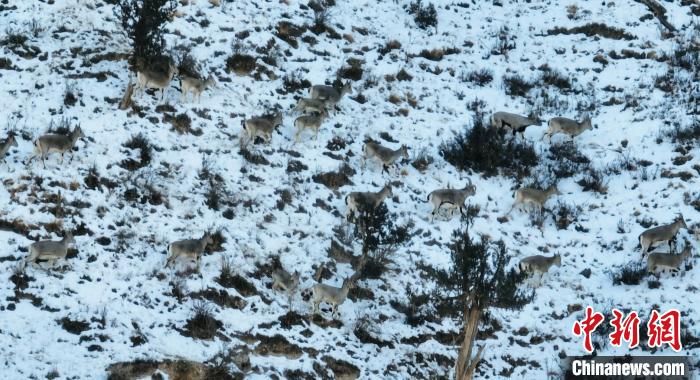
[
  {"x": 286, "y": 282},
  {"x": 569, "y": 127},
  {"x": 261, "y": 127},
  {"x": 6, "y": 145},
  {"x": 329, "y": 94},
  {"x": 529, "y": 196},
  {"x": 189, "y": 248},
  {"x": 667, "y": 261},
  {"x": 312, "y": 122},
  {"x": 511, "y": 122},
  {"x": 149, "y": 78},
  {"x": 357, "y": 201},
  {"x": 539, "y": 264},
  {"x": 55, "y": 143},
  {"x": 660, "y": 234},
  {"x": 307, "y": 105},
  {"x": 383, "y": 155},
  {"x": 452, "y": 198},
  {"x": 330, "y": 294},
  {"x": 195, "y": 86},
  {"x": 50, "y": 250}
]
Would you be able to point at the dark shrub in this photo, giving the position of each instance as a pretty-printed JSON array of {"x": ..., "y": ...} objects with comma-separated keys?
[
  {"x": 145, "y": 148},
  {"x": 567, "y": 160},
  {"x": 556, "y": 79},
  {"x": 425, "y": 16},
  {"x": 487, "y": 151},
  {"x": 241, "y": 64},
  {"x": 594, "y": 29},
  {"x": 480, "y": 77},
  {"x": 144, "y": 21},
  {"x": 516, "y": 85},
  {"x": 594, "y": 180},
  {"x": 202, "y": 324},
  {"x": 629, "y": 274}
]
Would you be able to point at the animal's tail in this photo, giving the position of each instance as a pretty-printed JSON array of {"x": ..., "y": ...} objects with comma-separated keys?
[{"x": 429, "y": 196}]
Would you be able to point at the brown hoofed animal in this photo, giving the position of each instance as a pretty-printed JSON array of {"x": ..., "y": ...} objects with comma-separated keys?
[
  {"x": 664, "y": 261},
  {"x": 539, "y": 264},
  {"x": 383, "y": 155},
  {"x": 55, "y": 143},
  {"x": 511, "y": 122},
  {"x": 195, "y": 86},
  {"x": 357, "y": 201},
  {"x": 312, "y": 122},
  {"x": 569, "y": 127},
  {"x": 149, "y": 78},
  {"x": 261, "y": 127},
  {"x": 527, "y": 195},
  {"x": 329, "y": 94},
  {"x": 190, "y": 248},
  {"x": 452, "y": 198},
  {"x": 660, "y": 234},
  {"x": 330, "y": 294},
  {"x": 49, "y": 250},
  {"x": 6, "y": 145}
]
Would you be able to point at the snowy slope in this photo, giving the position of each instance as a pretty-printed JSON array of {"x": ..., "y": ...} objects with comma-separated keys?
[{"x": 119, "y": 283}]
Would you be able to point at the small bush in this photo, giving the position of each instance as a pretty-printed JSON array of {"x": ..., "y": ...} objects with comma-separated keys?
[
  {"x": 567, "y": 160},
  {"x": 202, "y": 324},
  {"x": 594, "y": 29},
  {"x": 69, "y": 96},
  {"x": 565, "y": 215},
  {"x": 505, "y": 42},
  {"x": 487, "y": 151},
  {"x": 629, "y": 274},
  {"x": 145, "y": 148},
  {"x": 556, "y": 79},
  {"x": 480, "y": 77},
  {"x": 144, "y": 23},
  {"x": 188, "y": 66},
  {"x": 516, "y": 85},
  {"x": 241, "y": 64},
  {"x": 292, "y": 83},
  {"x": 424, "y": 16},
  {"x": 594, "y": 180},
  {"x": 415, "y": 308},
  {"x": 685, "y": 135}
]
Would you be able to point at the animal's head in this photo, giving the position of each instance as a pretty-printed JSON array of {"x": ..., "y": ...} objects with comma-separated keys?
[
  {"x": 587, "y": 124},
  {"x": 278, "y": 118},
  {"x": 553, "y": 190},
  {"x": 470, "y": 188},
  {"x": 295, "y": 278},
  {"x": 682, "y": 221},
  {"x": 557, "y": 260},
  {"x": 68, "y": 236},
  {"x": 404, "y": 151},
  {"x": 173, "y": 70},
  {"x": 687, "y": 251},
  {"x": 208, "y": 239},
  {"x": 78, "y": 132},
  {"x": 347, "y": 282},
  {"x": 12, "y": 140},
  {"x": 211, "y": 81},
  {"x": 347, "y": 88},
  {"x": 388, "y": 189}
]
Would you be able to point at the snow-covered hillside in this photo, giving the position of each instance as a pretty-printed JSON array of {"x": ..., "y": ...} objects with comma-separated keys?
[{"x": 64, "y": 63}]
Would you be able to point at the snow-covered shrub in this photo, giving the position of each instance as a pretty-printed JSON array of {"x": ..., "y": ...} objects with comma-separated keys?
[
  {"x": 424, "y": 15},
  {"x": 144, "y": 23},
  {"x": 486, "y": 150}
]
